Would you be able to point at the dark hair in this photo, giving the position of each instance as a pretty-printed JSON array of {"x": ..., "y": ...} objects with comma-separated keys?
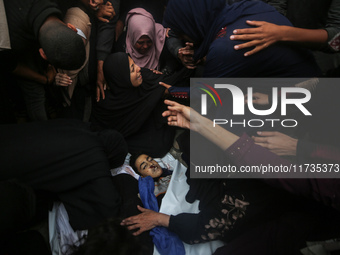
[
  {"x": 109, "y": 238},
  {"x": 133, "y": 159},
  {"x": 63, "y": 47}
]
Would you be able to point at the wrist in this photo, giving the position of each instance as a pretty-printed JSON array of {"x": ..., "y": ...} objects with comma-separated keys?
[
  {"x": 163, "y": 220},
  {"x": 294, "y": 143}
]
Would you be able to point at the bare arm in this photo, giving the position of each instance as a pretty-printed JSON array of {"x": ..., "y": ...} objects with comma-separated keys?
[
  {"x": 27, "y": 73},
  {"x": 185, "y": 117},
  {"x": 265, "y": 34},
  {"x": 101, "y": 83}
]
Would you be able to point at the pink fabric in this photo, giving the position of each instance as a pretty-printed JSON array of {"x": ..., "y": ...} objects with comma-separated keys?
[{"x": 140, "y": 22}]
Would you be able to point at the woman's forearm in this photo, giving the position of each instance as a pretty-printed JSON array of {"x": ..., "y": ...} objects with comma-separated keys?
[
  {"x": 294, "y": 34},
  {"x": 217, "y": 135}
]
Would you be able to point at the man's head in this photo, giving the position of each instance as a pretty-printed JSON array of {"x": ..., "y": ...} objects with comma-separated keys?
[
  {"x": 145, "y": 165},
  {"x": 61, "y": 46}
]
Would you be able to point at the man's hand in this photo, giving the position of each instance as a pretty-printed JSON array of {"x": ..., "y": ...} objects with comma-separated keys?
[
  {"x": 280, "y": 144},
  {"x": 145, "y": 221},
  {"x": 105, "y": 12},
  {"x": 262, "y": 36}
]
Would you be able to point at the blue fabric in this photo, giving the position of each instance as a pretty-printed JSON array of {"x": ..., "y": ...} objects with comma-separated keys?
[
  {"x": 166, "y": 242},
  {"x": 201, "y": 20}
]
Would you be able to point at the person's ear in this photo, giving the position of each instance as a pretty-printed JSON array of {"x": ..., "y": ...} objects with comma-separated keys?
[
  {"x": 72, "y": 27},
  {"x": 42, "y": 53}
]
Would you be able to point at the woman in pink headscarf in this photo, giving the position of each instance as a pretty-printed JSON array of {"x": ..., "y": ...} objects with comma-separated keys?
[{"x": 145, "y": 40}]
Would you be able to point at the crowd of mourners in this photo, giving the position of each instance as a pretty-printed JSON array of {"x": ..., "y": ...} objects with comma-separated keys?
[{"x": 87, "y": 84}]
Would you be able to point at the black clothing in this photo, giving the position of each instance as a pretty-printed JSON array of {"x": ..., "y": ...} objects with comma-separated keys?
[
  {"x": 134, "y": 111},
  {"x": 65, "y": 158},
  {"x": 127, "y": 187},
  {"x": 125, "y": 107},
  {"x": 24, "y": 20}
]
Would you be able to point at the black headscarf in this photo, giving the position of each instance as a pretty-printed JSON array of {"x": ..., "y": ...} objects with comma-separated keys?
[{"x": 126, "y": 108}]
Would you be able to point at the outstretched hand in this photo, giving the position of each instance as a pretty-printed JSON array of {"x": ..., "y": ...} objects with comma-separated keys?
[
  {"x": 276, "y": 142},
  {"x": 182, "y": 116},
  {"x": 178, "y": 115},
  {"x": 261, "y": 36}
]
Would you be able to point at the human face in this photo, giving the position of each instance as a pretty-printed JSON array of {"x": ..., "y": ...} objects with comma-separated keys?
[
  {"x": 135, "y": 74},
  {"x": 147, "y": 166},
  {"x": 143, "y": 44}
]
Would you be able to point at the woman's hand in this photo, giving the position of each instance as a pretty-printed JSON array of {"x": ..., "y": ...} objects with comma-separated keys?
[
  {"x": 63, "y": 80},
  {"x": 260, "y": 37},
  {"x": 182, "y": 116},
  {"x": 145, "y": 221},
  {"x": 280, "y": 144},
  {"x": 167, "y": 86}
]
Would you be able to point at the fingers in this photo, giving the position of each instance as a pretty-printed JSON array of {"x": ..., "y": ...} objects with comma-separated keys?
[
  {"x": 248, "y": 44},
  {"x": 265, "y": 145},
  {"x": 103, "y": 19},
  {"x": 129, "y": 221},
  {"x": 249, "y": 30},
  {"x": 100, "y": 92},
  {"x": 267, "y": 133},
  {"x": 172, "y": 121},
  {"x": 166, "y": 113},
  {"x": 63, "y": 80},
  {"x": 174, "y": 106},
  {"x": 255, "y": 23},
  {"x": 252, "y": 52},
  {"x": 141, "y": 208},
  {"x": 260, "y": 139},
  {"x": 171, "y": 103},
  {"x": 192, "y": 67},
  {"x": 97, "y": 94},
  {"x": 186, "y": 51},
  {"x": 165, "y": 85},
  {"x": 167, "y": 32},
  {"x": 258, "y": 47}
]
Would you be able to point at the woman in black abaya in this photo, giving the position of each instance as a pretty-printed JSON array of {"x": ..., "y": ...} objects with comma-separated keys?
[{"x": 133, "y": 105}]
